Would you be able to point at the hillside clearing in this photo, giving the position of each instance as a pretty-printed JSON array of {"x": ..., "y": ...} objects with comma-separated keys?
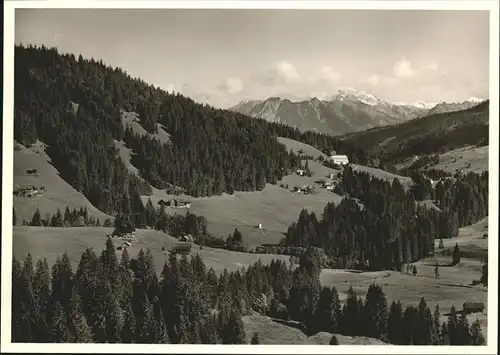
[
  {"x": 382, "y": 174},
  {"x": 125, "y": 154},
  {"x": 467, "y": 159},
  {"x": 132, "y": 120},
  {"x": 296, "y": 146},
  {"x": 58, "y": 195},
  {"x": 50, "y": 243}
]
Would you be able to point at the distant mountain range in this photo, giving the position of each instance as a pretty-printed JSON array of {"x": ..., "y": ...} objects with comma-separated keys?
[{"x": 347, "y": 111}]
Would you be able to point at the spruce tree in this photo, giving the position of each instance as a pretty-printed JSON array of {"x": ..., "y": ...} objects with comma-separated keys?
[
  {"x": 484, "y": 274},
  {"x": 334, "y": 340},
  {"x": 463, "y": 330},
  {"x": 324, "y": 312},
  {"x": 60, "y": 333},
  {"x": 351, "y": 319},
  {"x": 375, "y": 312},
  {"x": 452, "y": 327},
  {"x": 234, "y": 331},
  {"x": 255, "y": 338},
  {"x": 444, "y": 335},
  {"x": 395, "y": 323},
  {"x": 41, "y": 293},
  {"x": 476, "y": 335},
  {"x": 37, "y": 219},
  {"x": 77, "y": 323},
  {"x": 128, "y": 330},
  {"x": 456, "y": 255},
  {"x": 436, "y": 318}
]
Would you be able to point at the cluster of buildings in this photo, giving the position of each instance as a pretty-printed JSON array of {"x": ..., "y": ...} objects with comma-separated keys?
[
  {"x": 174, "y": 203},
  {"x": 305, "y": 189},
  {"x": 31, "y": 191}
]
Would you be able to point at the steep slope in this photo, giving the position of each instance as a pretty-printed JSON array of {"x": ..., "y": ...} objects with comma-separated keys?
[
  {"x": 347, "y": 111},
  {"x": 58, "y": 195},
  {"x": 435, "y": 134},
  {"x": 82, "y": 109}
]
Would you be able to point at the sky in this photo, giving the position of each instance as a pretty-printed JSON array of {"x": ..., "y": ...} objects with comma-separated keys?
[{"x": 222, "y": 57}]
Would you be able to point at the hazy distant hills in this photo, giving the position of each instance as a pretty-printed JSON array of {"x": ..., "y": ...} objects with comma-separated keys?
[{"x": 347, "y": 111}]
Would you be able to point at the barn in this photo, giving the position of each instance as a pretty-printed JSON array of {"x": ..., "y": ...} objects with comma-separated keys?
[
  {"x": 181, "y": 248},
  {"x": 339, "y": 159},
  {"x": 473, "y": 307}
]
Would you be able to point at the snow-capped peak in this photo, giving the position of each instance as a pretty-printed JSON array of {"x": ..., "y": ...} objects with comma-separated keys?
[
  {"x": 353, "y": 94},
  {"x": 417, "y": 104},
  {"x": 474, "y": 99}
]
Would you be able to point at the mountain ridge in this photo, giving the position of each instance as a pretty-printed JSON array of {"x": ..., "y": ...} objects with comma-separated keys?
[{"x": 349, "y": 110}]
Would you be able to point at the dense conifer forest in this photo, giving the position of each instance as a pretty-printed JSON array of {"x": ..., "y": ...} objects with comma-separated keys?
[
  {"x": 210, "y": 151},
  {"x": 379, "y": 225},
  {"x": 107, "y": 300}
]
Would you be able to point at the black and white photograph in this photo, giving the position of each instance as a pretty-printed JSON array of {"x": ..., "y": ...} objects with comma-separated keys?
[{"x": 298, "y": 174}]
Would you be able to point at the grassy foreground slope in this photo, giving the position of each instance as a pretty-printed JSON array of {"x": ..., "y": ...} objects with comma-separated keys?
[
  {"x": 59, "y": 193},
  {"x": 274, "y": 333}
]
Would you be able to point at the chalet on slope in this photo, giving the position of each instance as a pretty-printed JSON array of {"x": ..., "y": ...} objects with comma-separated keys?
[
  {"x": 186, "y": 238},
  {"x": 473, "y": 307},
  {"x": 339, "y": 159},
  {"x": 29, "y": 191},
  {"x": 174, "y": 203}
]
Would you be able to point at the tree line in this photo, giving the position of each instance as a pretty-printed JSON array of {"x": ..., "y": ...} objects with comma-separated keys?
[
  {"x": 74, "y": 218},
  {"x": 123, "y": 300}
]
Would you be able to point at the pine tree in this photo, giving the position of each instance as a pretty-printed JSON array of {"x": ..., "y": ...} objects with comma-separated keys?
[
  {"x": 334, "y": 340},
  {"x": 410, "y": 319},
  {"x": 436, "y": 316},
  {"x": 463, "y": 335},
  {"x": 234, "y": 332},
  {"x": 41, "y": 293},
  {"x": 77, "y": 323},
  {"x": 444, "y": 336},
  {"x": 350, "y": 324},
  {"x": 37, "y": 219},
  {"x": 452, "y": 327},
  {"x": 456, "y": 255},
  {"x": 484, "y": 274},
  {"x": 395, "y": 323},
  {"x": 324, "y": 311},
  {"x": 375, "y": 312},
  {"x": 255, "y": 338},
  {"x": 476, "y": 335},
  {"x": 128, "y": 330},
  {"x": 237, "y": 236},
  {"x": 60, "y": 333},
  {"x": 424, "y": 329}
]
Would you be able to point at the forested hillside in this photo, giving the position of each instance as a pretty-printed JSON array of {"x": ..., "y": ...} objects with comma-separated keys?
[
  {"x": 432, "y": 134},
  {"x": 389, "y": 229},
  {"x": 74, "y": 106}
]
